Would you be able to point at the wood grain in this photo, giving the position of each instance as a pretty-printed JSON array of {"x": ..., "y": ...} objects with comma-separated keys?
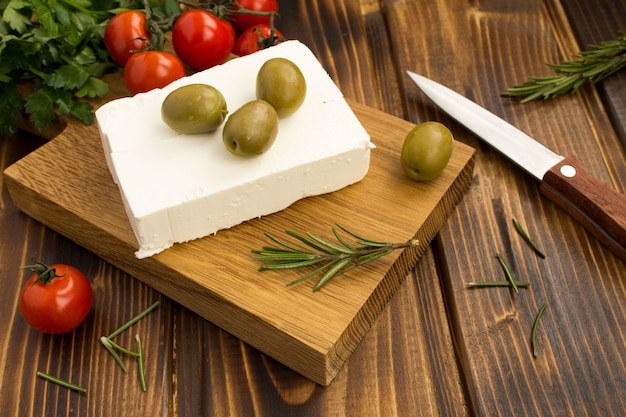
[
  {"x": 439, "y": 348},
  {"x": 216, "y": 276},
  {"x": 494, "y": 46}
]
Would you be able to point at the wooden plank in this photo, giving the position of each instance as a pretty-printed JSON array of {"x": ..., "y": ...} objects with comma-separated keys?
[
  {"x": 479, "y": 50},
  {"x": 216, "y": 277}
]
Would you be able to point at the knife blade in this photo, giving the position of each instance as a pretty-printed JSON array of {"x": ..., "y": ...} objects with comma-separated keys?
[{"x": 563, "y": 180}]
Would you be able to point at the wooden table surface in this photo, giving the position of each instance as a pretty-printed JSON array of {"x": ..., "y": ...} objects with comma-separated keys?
[{"x": 439, "y": 348}]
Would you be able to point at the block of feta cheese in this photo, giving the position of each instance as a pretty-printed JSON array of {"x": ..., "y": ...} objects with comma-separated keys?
[{"x": 177, "y": 188}]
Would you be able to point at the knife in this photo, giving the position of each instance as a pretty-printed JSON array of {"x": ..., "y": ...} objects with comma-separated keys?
[{"x": 598, "y": 208}]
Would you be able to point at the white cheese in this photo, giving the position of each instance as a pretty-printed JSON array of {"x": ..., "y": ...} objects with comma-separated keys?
[{"x": 177, "y": 188}]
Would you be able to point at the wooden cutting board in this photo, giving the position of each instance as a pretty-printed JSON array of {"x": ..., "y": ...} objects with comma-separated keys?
[{"x": 66, "y": 185}]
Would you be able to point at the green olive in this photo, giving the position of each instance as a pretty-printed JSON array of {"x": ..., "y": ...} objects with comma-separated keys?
[
  {"x": 281, "y": 83},
  {"x": 194, "y": 108},
  {"x": 426, "y": 151},
  {"x": 252, "y": 129}
]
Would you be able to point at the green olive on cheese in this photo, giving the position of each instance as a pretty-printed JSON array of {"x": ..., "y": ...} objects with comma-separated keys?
[
  {"x": 281, "y": 83},
  {"x": 194, "y": 108},
  {"x": 426, "y": 151},
  {"x": 252, "y": 129}
]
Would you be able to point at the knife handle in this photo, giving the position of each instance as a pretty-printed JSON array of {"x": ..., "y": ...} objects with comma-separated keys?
[{"x": 600, "y": 209}]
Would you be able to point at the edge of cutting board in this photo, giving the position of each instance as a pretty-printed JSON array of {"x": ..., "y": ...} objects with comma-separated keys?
[{"x": 216, "y": 277}]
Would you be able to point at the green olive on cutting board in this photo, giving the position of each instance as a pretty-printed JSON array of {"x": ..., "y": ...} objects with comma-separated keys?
[{"x": 426, "y": 151}]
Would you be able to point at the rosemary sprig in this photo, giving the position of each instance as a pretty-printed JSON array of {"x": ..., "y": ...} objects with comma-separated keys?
[
  {"x": 593, "y": 65},
  {"x": 331, "y": 258}
]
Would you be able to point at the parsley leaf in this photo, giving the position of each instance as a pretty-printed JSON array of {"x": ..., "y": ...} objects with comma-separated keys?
[
  {"x": 61, "y": 51},
  {"x": 56, "y": 48}
]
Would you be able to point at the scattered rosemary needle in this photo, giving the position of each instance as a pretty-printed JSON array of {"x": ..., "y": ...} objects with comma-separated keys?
[
  {"x": 133, "y": 320},
  {"x": 527, "y": 238},
  {"x": 60, "y": 382},
  {"x": 533, "y": 344},
  {"x": 593, "y": 65},
  {"x": 113, "y": 348},
  {"x": 508, "y": 273},
  {"x": 329, "y": 258},
  {"x": 519, "y": 284},
  {"x": 140, "y": 364}
]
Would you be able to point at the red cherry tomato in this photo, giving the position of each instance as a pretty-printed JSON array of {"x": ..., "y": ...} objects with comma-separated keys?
[
  {"x": 256, "y": 38},
  {"x": 202, "y": 40},
  {"x": 55, "y": 299},
  {"x": 242, "y": 22},
  {"x": 124, "y": 33},
  {"x": 148, "y": 70},
  {"x": 230, "y": 28}
]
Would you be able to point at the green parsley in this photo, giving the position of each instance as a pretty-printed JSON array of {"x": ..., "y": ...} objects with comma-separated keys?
[{"x": 52, "y": 55}]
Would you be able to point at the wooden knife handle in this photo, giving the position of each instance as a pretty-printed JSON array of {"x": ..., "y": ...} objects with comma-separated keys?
[{"x": 600, "y": 209}]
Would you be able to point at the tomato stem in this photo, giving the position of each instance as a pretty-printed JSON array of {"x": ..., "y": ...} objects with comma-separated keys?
[
  {"x": 225, "y": 9},
  {"x": 157, "y": 37},
  {"x": 45, "y": 274}
]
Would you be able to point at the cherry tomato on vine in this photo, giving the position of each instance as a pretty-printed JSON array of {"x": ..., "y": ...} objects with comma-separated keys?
[
  {"x": 201, "y": 39},
  {"x": 256, "y": 38},
  {"x": 55, "y": 299},
  {"x": 124, "y": 33},
  {"x": 242, "y": 22},
  {"x": 148, "y": 70}
]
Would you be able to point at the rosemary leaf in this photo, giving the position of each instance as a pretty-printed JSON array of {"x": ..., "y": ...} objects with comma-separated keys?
[
  {"x": 140, "y": 364},
  {"x": 107, "y": 344},
  {"x": 508, "y": 273},
  {"x": 287, "y": 265},
  {"x": 341, "y": 240},
  {"x": 310, "y": 274},
  {"x": 361, "y": 240},
  {"x": 527, "y": 238},
  {"x": 593, "y": 65},
  {"x": 533, "y": 343},
  {"x": 133, "y": 320},
  {"x": 283, "y": 244},
  {"x": 519, "y": 284},
  {"x": 279, "y": 256},
  {"x": 60, "y": 382},
  {"x": 372, "y": 256},
  {"x": 308, "y": 242},
  {"x": 122, "y": 349},
  {"x": 332, "y": 246},
  {"x": 341, "y": 263}
]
